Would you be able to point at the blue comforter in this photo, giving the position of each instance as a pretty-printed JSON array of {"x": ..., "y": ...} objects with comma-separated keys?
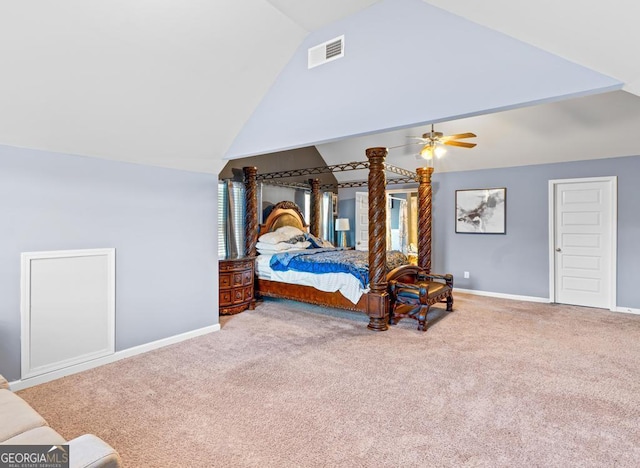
[{"x": 354, "y": 262}]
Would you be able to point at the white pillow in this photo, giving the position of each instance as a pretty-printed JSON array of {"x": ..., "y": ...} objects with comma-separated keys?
[
  {"x": 302, "y": 245},
  {"x": 289, "y": 231},
  {"x": 281, "y": 247},
  {"x": 273, "y": 237}
]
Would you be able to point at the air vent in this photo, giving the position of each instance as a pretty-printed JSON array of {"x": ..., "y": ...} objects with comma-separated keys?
[{"x": 326, "y": 52}]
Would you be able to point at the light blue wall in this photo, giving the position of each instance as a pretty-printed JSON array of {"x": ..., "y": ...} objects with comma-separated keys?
[
  {"x": 518, "y": 262},
  {"x": 161, "y": 222},
  {"x": 405, "y": 63}
]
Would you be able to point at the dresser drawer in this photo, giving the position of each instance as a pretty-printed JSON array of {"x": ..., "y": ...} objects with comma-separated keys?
[
  {"x": 235, "y": 265},
  {"x": 247, "y": 277},
  {"x": 225, "y": 280},
  {"x": 237, "y": 295},
  {"x": 238, "y": 278},
  {"x": 225, "y": 297}
]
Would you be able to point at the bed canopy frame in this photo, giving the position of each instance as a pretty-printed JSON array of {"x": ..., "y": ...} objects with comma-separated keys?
[{"x": 376, "y": 302}]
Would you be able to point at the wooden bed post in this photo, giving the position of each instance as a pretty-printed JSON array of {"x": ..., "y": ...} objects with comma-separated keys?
[
  {"x": 251, "y": 210},
  {"x": 424, "y": 217},
  {"x": 377, "y": 303},
  {"x": 315, "y": 207}
]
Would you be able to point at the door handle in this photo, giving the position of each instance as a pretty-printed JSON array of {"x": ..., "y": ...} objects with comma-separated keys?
[{"x": 558, "y": 249}]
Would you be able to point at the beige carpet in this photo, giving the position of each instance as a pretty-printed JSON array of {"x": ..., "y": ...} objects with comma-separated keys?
[{"x": 495, "y": 383}]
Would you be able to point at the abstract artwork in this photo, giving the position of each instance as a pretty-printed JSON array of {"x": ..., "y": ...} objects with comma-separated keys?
[{"x": 481, "y": 211}]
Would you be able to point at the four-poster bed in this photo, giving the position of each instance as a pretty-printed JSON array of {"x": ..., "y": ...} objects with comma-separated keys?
[{"x": 376, "y": 302}]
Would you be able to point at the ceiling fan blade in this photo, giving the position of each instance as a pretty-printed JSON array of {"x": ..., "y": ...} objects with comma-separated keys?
[
  {"x": 406, "y": 144},
  {"x": 459, "y": 136},
  {"x": 462, "y": 144}
]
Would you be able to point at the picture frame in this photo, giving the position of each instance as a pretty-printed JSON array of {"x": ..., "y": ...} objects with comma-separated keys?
[{"x": 481, "y": 211}]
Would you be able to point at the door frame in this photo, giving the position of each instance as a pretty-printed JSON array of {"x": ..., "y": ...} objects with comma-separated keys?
[{"x": 613, "y": 187}]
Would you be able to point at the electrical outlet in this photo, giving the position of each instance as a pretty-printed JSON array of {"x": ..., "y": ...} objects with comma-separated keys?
[{"x": 466, "y": 274}]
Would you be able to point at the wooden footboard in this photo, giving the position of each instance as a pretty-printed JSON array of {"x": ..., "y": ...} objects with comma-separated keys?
[{"x": 310, "y": 295}]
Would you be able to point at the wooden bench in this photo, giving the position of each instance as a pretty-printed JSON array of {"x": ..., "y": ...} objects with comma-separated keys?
[{"x": 413, "y": 291}]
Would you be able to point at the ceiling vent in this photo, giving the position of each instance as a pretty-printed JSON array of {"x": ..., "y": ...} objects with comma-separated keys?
[{"x": 326, "y": 52}]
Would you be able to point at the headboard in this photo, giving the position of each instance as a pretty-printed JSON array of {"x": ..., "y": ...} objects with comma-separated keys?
[{"x": 284, "y": 213}]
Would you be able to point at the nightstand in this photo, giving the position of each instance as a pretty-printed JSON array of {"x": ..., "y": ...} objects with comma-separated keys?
[{"x": 236, "y": 279}]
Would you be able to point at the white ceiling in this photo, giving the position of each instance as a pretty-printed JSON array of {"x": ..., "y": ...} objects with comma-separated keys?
[
  {"x": 592, "y": 34},
  {"x": 171, "y": 83},
  {"x": 592, "y": 127},
  {"x": 603, "y": 36}
]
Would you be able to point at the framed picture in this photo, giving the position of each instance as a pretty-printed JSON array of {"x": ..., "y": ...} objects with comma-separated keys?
[{"x": 481, "y": 211}]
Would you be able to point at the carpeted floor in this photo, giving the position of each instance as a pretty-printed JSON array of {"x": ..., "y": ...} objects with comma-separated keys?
[{"x": 495, "y": 383}]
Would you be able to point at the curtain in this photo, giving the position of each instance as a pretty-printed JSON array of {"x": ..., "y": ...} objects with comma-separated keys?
[
  {"x": 389, "y": 206},
  {"x": 230, "y": 232},
  {"x": 326, "y": 219},
  {"x": 231, "y": 219},
  {"x": 403, "y": 226}
]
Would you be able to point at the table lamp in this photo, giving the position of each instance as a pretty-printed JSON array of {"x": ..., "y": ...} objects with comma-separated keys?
[{"x": 342, "y": 226}]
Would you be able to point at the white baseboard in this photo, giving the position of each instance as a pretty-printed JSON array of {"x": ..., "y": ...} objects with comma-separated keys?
[
  {"x": 627, "y": 310},
  {"x": 514, "y": 297},
  {"x": 118, "y": 355}
]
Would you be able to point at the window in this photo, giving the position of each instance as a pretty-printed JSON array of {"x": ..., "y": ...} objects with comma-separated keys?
[{"x": 231, "y": 213}]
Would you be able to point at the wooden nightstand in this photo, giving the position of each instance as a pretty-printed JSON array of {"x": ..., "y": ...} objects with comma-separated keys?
[{"x": 236, "y": 278}]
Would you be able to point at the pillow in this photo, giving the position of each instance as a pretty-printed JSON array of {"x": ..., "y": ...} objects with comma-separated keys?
[
  {"x": 296, "y": 239},
  {"x": 280, "y": 247},
  {"x": 316, "y": 242},
  {"x": 273, "y": 237},
  {"x": 282, "y": 234},
  {"x": 289, "y": 231},
  {"x": 395, "y": 258}
]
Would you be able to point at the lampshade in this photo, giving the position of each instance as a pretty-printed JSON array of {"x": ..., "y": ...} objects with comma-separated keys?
[{"x": 342, "y": 224}]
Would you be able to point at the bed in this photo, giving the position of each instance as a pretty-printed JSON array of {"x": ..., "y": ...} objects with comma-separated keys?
[
  {"x": 374, "y": 300},
  {"x": 287, "y": 213},
  {"x": 315, "y": 273}
]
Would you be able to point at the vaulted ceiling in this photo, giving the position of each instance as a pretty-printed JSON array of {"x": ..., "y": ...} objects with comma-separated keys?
[{"x": 173, "y": 83}]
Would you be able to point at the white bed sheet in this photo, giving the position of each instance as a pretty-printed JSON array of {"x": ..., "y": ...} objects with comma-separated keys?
[{"x": 348, "y": 285}]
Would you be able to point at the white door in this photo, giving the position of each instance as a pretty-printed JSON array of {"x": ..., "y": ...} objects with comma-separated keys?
[
  {"x": 583, "y": 241},
  {"x": 362, "y": 221}
]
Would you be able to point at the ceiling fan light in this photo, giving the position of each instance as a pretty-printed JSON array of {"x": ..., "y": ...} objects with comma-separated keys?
[
  {"x": 427, "y": 152},
  {"x": 440, "y": 151}
]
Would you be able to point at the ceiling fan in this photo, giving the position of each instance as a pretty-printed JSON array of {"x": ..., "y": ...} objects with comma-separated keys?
[{"x": 433, "y": 141}]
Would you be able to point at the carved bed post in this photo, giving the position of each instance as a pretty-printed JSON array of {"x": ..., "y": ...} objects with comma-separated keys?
[
  {"x": 251, "y": 210},
  {"x": 424, "y": 217},
  {"x": 315, "y": 207},
  {"x": 377, "y": 303}
]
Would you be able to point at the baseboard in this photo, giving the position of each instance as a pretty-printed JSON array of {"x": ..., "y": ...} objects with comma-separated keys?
[
  {"x": 627, "y": 310},
  {"x": 514, "y": 297},
  {"x": 118, "y": 355}
]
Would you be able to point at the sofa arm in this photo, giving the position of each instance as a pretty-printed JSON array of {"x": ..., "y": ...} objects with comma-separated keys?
[
  {"x": 89, "y": 451},
  {"x": 3, "y": 383}
]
